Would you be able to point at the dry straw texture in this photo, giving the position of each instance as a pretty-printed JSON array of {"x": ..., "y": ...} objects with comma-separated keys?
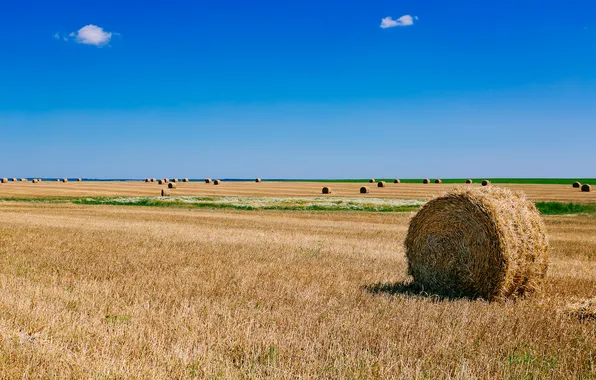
[
  {"x": 469, "y": 181},
  {"x": 172, "y": 185},
  {"x": 396, "y": 181},
  {"x": 485, "y": 182},
  {"x": 364, "y": 190},
  {"x": 586, "y": 188},
  {"x": 372, "y": 180},
  {"x": 165, "y": 192},
  {"x": 577, "y": 185},
  {"x": 381, "y": 184},
  {"x": 426, "y": 180},
  {"x": 326, "y": 190},
  {"x": 438, "y": 181},
  {"x": 583, "y": 310},
  {"x": 216, "y": 182},
  {"x": 207, "y": 180},
  {"x": 478, "y": 242}
]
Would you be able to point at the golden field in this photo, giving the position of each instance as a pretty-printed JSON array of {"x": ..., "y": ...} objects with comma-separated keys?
[
  {"x": 92, "y": 291},
  {"x": 561, "y": 193}
]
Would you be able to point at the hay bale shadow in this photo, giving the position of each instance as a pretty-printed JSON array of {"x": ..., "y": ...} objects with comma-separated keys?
[{"x": 412, "y": 289}]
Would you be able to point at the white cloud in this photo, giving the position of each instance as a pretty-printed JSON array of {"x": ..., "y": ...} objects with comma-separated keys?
[
  {"x": 92, "y": 35},
  {"x": 57, "y": 36},
  {"x": 405, "y": 20}
]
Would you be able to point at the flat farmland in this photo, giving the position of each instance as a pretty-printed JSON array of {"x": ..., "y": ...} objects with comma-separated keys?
[
  {"x": 560, "y": 193},
  {"x": 90, "y": 291}
]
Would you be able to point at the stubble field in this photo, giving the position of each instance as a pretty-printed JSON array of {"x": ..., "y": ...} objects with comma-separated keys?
[{"x": 145, "y": 292}]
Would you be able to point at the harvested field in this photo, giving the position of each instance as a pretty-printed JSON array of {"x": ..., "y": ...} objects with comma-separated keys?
[
  {"x": 114, "y": 291},
  {"x": 561, "y": 193}
]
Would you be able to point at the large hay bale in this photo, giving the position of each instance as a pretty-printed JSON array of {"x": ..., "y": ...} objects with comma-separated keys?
[
  {"x": 152, "y": 179},
  {"x": 257, "y": 180},
  {"x": 161, "y": 182},
  {"x": 326, "y": 190},
  {"x": 207, "y": 180},
  {"x": 364, "y": 190},
  {"x": 4, "y": 180},
  {"x": 185, "y": 180},
  {"x": 396, "y": 181},
  {"x": 146, "y": 180},
  {"x": 426, "y": 180},
  {"x": 372, "y": 180},
  {"x": 381, "y": 184},
  {"x": 216, "y": 182},
  {"x": 165, "y": 192},
  {"x": 438, "y": 181},
  {"x": 478, "y": 242},
  {"x": 469, "y": 181},
  {"x": 485, "y": 182},
  {"x": 586, "y": 188},
  {"x": 172, "y": 185},
  {"x": 166, "y": 180},
  {"x": 577, "y": 185}
]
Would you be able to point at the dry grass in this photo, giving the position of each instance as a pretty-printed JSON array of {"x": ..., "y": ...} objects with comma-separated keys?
[
  {"x": 120, "y": 292},
  {"x": 560, "y": 193}
]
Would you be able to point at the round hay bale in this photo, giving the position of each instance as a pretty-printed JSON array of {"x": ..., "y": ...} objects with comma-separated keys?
[
  {"x": 326, "y": 190},
  {"x": 165, "y": 192},
  {"x": 65, "y": 180},
  {"x": 469, "y": 181},
  {"x": 381, "y": 184},
  {"x": 14, "y": 180},
  {"x": 152, "y": 179},
  {"x": 172, "y": 185},
  {"x": 364, "y": 190},
  {"x": 372, "y": 180},
  {"x": 175, "y": 180},
  {"x": 79, "y": 180},
  {"x": 586, "y": 188},
  {"x": 577, "y": 185},
  {"x": 166, "y": 180},
  {"x": 257, "y": 180},
  {"x": 207, "y": 180},
  {"x": 478, "y": 242},
  {"x": 23, "y": 179},
  {"x": 4, "y": 180},
  {"x": 438, "y": 181},
  {"x": 396, "y": 181},
  {"x": 426, "y": 181},
  {"x": 161, "y": 182},
  {"x": 216, "y": 182},
  {"x": 35, "y": 181},
  {"x": 185, "y": 180},
  {"x": 485, "y": 182},
  {"x": 57, "y": 179},
  {"x": 146, "y": 179}
]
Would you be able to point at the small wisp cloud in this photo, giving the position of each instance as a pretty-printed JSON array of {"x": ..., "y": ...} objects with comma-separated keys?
[
  {"x": 88, "y": 35},
  {"x": 405, "y": 20}
]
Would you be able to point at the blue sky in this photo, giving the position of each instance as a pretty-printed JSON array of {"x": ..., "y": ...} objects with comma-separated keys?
[{"x": 298, "y": 89}]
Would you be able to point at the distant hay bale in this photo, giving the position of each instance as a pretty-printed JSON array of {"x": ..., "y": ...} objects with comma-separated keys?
[
  {"x": 326, "y": 190},
  {"x": 165, "y": 192},
  {"x": 257, "y": 180},
  {"x": 469, "y": 181},
  {"x": 207, "y": 180},
  {"x": 65, "y": 180},
  {"x": 478, "y": 242},
  {"x": 79, "y": 180},
  {"x": 396, "y": 181},
  {"x": 172, "y": 185},
  {"x": 161, "y": 182},
  {"x": 174, "y": 179},
  {"x": 4, "y": 180},
  {"x": 35, "y": 181},
  {"x": 216, "y": 182},
  {"x": 438, "y": 181},
  {"x": 57, "y": 179},
  {"x": 577, "y": 185},
  {"x": 146, "y": 179},
  {"x": 586, "y": 188},
  {"x": 485, "y": 182},
  {"x": 166, "y": 180},
  {"x": 372, "y": 180},
  {"x": 23, "y": 179},
  {"x": 14, "y": 180},
  {"x": 152, "y": 179},
  {"x": 426, "y": 180},
  {"x": 381, "y": 184},
  {"x": 185, "y": 180},
  {"x": 364, "y": 190}
]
